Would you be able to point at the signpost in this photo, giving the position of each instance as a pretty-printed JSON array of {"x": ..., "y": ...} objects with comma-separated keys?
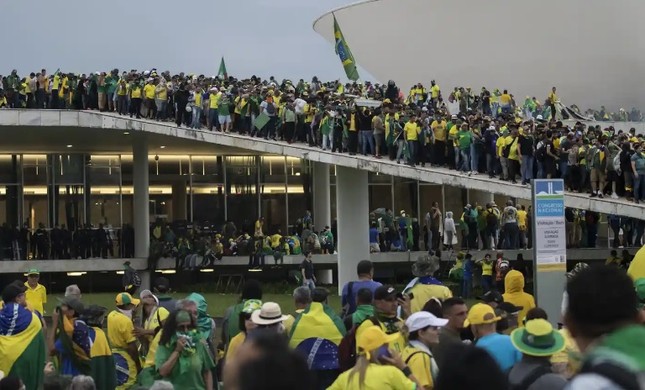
[{"x": 549, "y": 245}]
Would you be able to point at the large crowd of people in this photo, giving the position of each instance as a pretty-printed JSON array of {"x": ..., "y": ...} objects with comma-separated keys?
[
  {"x": 418, "y": 337},
  {"x": 486, "y": 132}
]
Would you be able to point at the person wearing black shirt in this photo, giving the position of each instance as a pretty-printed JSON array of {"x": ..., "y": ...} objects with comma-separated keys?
[
  {"x": 525, "y": 149},
  {"x": 550, "y": 156},
  {"x": 307, "y": 270},
  {"x": 181, "y": 100}
]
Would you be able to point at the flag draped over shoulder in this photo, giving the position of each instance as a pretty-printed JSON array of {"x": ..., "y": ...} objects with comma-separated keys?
[
  {"x": 343, "y": 52},
  {"x": 22, "y": 345},
  {"x": 102, "y": 362},
  {"x": 316, "y": 333}
]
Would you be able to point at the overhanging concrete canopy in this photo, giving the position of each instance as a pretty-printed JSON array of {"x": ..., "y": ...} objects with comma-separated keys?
[
  {"x": 11, "y": 121},
  {"x": 592, "y": 50}
]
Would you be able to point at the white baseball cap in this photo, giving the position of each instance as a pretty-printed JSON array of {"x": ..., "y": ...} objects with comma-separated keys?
[{"x": 423, "y": 319}]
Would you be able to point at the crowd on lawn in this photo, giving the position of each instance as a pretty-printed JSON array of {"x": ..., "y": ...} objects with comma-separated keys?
[
  {"x": 418, "y": 337},
  {"x": 486, "y": 132}
]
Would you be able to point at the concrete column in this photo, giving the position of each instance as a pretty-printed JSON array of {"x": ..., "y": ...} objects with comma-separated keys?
[
  {"x": 146, "y": 280},
  {"x": 179, "y": 200},
  {"x": 353, "y": 222},
  {"x": 322, "y": 199},
  {"x": 141, "y": 214}
]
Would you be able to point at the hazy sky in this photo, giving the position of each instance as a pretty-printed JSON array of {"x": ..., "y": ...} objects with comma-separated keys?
[{"x": 262, "y": 37}]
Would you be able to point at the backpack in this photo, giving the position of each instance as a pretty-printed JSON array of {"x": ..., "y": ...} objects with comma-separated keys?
[
  {"x": 624, "y": 378},
  {"x": 507, "y": 148},
  {"x": 491, "y": 218},
  {"x": 540, "y": 152},
  {"x": 347, "y": 347},
  {"x": 270, "y": 109},
  {"x": 532, "y": 377},
  {"x": 616, "y": 164}
]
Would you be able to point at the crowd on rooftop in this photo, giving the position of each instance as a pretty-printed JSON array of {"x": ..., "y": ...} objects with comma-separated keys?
[
  {"x": 423, "y": 336},
  {"x": 486, "y": 132}
]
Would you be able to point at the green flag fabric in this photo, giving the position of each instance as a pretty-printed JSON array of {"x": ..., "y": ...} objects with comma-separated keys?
[
  {"x": 261, "y": 121},
  {"x": 222, "y": 73},
  {"x": 343, "y": 52}
]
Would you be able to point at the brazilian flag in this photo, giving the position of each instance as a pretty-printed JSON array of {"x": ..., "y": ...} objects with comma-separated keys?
[
  {"x": 22, "y": 345},
  {"x": 103, "y": 368},
  {"x": 343, "y": 52},
  {"x": 316, "y": 334}
]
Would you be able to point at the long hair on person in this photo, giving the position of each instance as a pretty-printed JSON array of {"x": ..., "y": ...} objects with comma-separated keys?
[
  {"x": 360, "y": 368},
  {"x": 170, "y": 327}
]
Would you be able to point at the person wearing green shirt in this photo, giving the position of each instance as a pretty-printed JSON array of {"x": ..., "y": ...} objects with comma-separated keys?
[
  {"x": 464, "y": 139},
  {"x": 182, "y": 358},
  {"x": 224, "y": 113},
  {"x": 110, "y": 84}
]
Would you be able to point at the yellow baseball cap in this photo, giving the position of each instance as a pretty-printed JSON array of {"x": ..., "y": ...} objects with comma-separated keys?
[
  {"x": 125, "y": 298},
  {"x": 372, "y": 338},
  {"x": 480, "y": 314}
]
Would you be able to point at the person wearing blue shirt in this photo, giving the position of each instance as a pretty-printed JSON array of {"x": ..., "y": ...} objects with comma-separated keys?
[
  {"x": 482, "y": 320},
  {"x": 374, "y": 239},
  {"x": 365, "y": 271}
]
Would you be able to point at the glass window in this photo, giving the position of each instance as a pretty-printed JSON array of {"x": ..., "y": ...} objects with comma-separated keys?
[
  {"x": 69, "y": 168},
  {"x": 273, "y": 189},
  {"x": 9, "y": 168},
  {"x": 35, "y": 171},
  {"x": 10, "y": 205},
  {"x": 380, "y": 196},
  {"x": 106, "y": 192},
  {"x": 208, "y": 189},
  {"x": 405, "y": 196},
  {"x": 299, "y": 191},
  {"x": 375, "y": 177},
  {"x": 242, "y": 191}
]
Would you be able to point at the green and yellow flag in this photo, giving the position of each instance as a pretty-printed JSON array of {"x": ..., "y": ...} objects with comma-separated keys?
[
  {"x": 316, "y": 333},
  {"x": 22, "y": 346},
  {"x": 343, "y": 52}
]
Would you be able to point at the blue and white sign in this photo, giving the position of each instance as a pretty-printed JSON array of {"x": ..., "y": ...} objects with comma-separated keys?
[{"x": 549, "y": 223}]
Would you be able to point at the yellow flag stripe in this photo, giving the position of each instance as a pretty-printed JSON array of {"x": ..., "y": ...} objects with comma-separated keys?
[{"x": 11, "y": 347}]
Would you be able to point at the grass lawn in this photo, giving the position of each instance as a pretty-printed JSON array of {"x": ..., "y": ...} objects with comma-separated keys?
[{"x": 217, "y": 303}]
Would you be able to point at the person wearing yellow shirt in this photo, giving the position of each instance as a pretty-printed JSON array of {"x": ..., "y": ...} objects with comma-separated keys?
[
  {"x": 439, "y": 128},
  {"x": 197, "y": 100},
  {"x": 121, "y": 335},
  {"x": 376, "y": 367},
  {"x": 149, "y": 92},
  {"x": 505, "y": 101},
  {"x": 55, "y": 85},
  {"x": 512, "y": 157},
  {"x": 136, "y": 92},
  {"x": 213, "y": 105},
  {"x": 487, "y": 265},
  {"x": 161, "y": 100},
  {"x": 412, "y": 131},
  {"x": 353, "y": 123},
  {"x": 36, "y": 293},
  {"x": 385, "y": 306},
  {"x": 453, "y": 145},
  {"x": 245, "y": 324},
  {"x": 552, "y": 100},
  {"x": 153, "y": 317},
  {"x": 522, "y": 224},
  {"x": 121, "y": 96},
  {"x": 435, "y": 93},
  {"x": 423, "y": 333}
]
